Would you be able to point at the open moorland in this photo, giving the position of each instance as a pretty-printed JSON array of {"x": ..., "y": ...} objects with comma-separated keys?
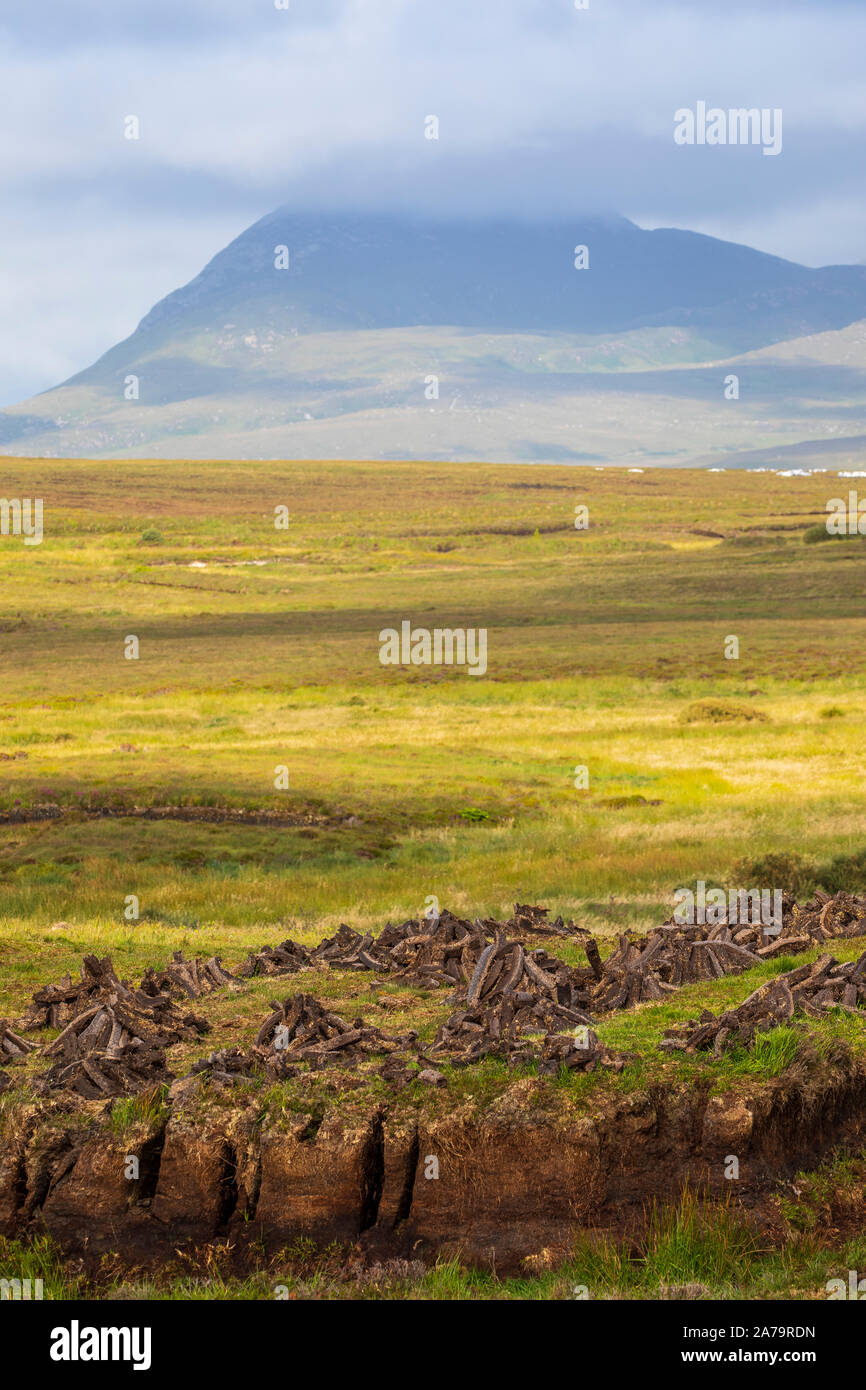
[{"x": 247, "y": 772}]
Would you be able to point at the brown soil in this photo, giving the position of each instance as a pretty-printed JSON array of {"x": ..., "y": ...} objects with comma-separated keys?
[
  {"x": 517, "y": 1178},
  {"x": 210, "y": 815}
]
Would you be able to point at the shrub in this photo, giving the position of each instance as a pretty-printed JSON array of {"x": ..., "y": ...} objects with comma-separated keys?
[
  {"x": 788, "y": 871},
  {"x": 844, "y": 871},
  {"x": 813, "y": 535},
  {"x": 720, "y": 712}
]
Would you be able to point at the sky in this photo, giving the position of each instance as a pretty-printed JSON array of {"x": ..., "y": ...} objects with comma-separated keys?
[{"x": 544, "y": 110}]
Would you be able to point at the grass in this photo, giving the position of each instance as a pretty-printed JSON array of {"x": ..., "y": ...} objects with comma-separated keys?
[
  {"x": 152, "y": 784},
  {"x": 682, "y": 1244},
  {"x": 148, "y": 1108},
  {"x": 606, "y": 652}
]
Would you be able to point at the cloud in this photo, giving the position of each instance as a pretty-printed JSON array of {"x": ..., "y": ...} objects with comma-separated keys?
[{"x": 542, "y": 108}]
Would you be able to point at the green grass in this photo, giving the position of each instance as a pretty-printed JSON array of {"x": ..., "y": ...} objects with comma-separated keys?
[
  {"x": 259, "y": 649},
  {"x": 40, "y": 1258},
  {"x": 410, "y": 782},
  {"x": 148, "y": 1108}
]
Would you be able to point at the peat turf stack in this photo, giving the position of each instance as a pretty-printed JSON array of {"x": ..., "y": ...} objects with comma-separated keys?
[
  {"x": 286, "y": 959},
  {"x": 824, "y": 918},
  {"x": 301, "y": 1029},
  {"x": 186, "y": 979},
  {"x": 672, "y": 955},
  {"x": 658, "y": 964},
  {"x": 115, "y": 1045},
  {"x": 54, "y": 1005},
  {"x": 528, "y": 920},
  {"x": 810, "y": 989},
  {"x": 433, "y": 951},
  {"x": 517, "y": 1006}
]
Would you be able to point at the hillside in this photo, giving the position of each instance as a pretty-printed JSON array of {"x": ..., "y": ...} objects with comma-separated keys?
[{"x": 534, "y": 360}]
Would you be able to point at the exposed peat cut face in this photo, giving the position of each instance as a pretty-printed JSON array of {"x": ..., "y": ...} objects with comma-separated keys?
[{"x": 123, "y": 1133}]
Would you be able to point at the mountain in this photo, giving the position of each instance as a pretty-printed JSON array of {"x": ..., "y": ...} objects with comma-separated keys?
[
  {"x": 334, "y": 355},
  {"x": 378, "y": 272}
]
